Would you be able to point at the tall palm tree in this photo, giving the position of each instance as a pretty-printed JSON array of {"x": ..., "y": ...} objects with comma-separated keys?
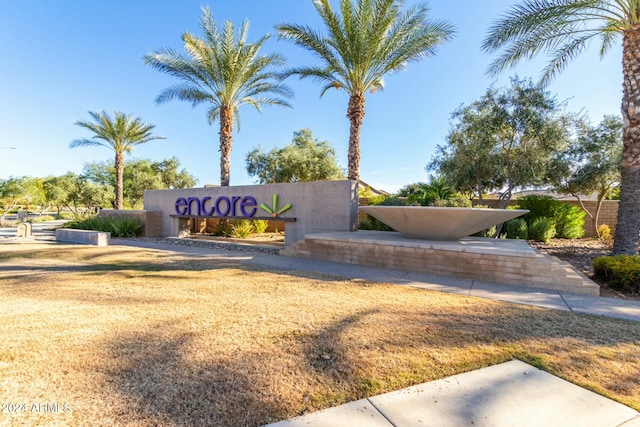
[
  {"x": 224, "y": 71},
  {"x": 120, "y": 134},
  {"x": 563, "y": 29},
  {"x": 366, "y": 41}
]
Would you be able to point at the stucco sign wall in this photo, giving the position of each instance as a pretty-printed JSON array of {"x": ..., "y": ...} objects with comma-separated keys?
[{"x": 309, "y": 207}]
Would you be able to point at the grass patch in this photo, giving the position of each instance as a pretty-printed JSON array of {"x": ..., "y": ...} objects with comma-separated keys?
[{"x": 129, "y": 336}]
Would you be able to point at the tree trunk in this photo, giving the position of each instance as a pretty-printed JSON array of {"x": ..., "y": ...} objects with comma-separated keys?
[
  {"x": 119, "y": 180},
  {"x": 355, "y": 114},
  {"x": 594, "y": 221},
  {"x": 226, "y": 140},
  {"x": 596, "y": 217},
  {"x": 628, "y": 226}
]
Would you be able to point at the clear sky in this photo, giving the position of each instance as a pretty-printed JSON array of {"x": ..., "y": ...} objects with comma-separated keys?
[{"x": 64, "y": 58}]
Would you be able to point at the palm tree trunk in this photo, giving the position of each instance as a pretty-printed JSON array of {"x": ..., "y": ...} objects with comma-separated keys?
[
  {"x": 628, "y": 226},
  {"x": 119, "y": 180},
  {"x": 226, "y": 140},
  {"x": 355, "y": 114}
]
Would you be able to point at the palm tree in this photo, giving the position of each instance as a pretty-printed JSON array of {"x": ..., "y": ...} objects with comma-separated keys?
[
  {"x": 224, "y": 71},
  {"x": 368, "y": 40},
  {"x": 119, "y": 134},
  {"x": 563, "y": 29}
]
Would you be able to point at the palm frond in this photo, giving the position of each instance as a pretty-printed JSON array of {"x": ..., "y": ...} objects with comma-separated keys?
[
  {"x": 560, "y": 29},
  {"x": 368, "y": 39},
  {"x": 120, "y": 133},
  {"x": 220, "y": 68}
]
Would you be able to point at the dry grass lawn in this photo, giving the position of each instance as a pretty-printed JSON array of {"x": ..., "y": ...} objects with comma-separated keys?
[{"x": 127, "y": 336}]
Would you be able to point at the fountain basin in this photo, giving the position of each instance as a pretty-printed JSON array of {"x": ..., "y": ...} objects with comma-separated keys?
[{"x": 435, "y": 223}]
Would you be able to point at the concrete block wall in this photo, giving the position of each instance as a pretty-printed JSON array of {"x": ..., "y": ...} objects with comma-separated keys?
[
  {"x": 316, "y": 206},
  {"x": 535, "y": 270},
  {"x": 608, "y": 215}
]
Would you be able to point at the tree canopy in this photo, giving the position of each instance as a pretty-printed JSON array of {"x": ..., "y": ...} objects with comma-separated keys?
[
  {"x": 591, "y": 164},
  {"x": 305, "y": 159},
  {"x": 503, "y": 141},
  {"x": 140, "y": 175},
  {"x": 563, "y": 29}
]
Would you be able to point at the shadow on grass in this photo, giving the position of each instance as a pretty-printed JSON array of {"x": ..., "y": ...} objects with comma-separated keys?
[{"x": 158, "y": 383}]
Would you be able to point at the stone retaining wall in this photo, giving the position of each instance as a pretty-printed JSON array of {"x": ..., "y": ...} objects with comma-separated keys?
[{"x": 483, "y": 260}]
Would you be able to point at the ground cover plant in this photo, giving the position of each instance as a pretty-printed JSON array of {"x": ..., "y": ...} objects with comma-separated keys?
[{"x": 129, "y": 336}]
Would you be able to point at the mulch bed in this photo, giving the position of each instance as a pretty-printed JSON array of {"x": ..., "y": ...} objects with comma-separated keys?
[{"x": 580, "y": 253}]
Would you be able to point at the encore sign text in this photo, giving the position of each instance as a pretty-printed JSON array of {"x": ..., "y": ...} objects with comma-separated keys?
[{"x": 235, "y": 206}]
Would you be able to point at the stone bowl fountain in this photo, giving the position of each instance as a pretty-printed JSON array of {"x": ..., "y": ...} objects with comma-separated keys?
[{"x": 436, "y": 223}]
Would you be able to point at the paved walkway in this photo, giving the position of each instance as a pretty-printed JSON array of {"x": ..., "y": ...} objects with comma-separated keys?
[{"x": 509, "y": 394}]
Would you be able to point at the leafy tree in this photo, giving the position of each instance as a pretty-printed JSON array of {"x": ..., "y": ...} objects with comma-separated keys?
[
  {"x": 469, "y": 159},
  {"x": 171, "y": 176},
  {"x": 33, "y": 195},
  {"x": 119, "y": 134},
  {"x": 11, "y": 191},
  {"x": 77, "y": 194},
  {"x": 365, "y": 41},
  {"x": 591, "y": 164},
  {"x": 503, "y": 141},
  {"x": 224, "y": 71},
  {"x": 140, "y": 175},
  {"x": 84, "y": 197},
  {"x": 305, "y": 159},
  {"x": 56, "y": 190},
  {"x": 563, "y": 29}
]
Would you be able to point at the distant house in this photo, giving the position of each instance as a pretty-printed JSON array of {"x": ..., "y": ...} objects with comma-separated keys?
[{"x": 374, "y": 192}]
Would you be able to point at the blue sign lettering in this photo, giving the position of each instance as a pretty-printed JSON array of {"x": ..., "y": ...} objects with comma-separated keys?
[
  {"x": 248, "y": 202},
  {"x": 223, "y": 206}
]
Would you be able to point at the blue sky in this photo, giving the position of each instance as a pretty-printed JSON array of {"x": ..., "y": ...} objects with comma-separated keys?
[{"x": 64, "y": 58}]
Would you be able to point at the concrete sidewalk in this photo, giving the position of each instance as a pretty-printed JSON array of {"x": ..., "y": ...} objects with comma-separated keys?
[
  {"x": 509, "y": 394},
  {"x": 610, "y": 307}
]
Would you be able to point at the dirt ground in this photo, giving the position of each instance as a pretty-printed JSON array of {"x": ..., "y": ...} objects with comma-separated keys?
[{"x": 580, "y": 253}]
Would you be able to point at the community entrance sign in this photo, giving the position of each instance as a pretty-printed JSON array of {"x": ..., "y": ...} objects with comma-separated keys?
[{"x": 309, "y": 207}]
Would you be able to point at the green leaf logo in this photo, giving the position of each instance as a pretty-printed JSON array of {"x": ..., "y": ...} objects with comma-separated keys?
[{"x": 274, "y": 211}]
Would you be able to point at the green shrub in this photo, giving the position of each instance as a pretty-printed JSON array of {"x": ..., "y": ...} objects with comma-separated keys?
[
  {"x": 365, "y": 224},
  {"x": 516, "y": 229},
  {"x": 117, "y": 226},
  {"x": 542, "y": 230},
  {"x": 241, "y": 229},
  {"x": 377, "y": 200},
  {"x": 604, "y": 231},
  {"x": 453, "y": 202},
  {"x": 260, "y": 225},
  {"x": 621, "y": 272},
  {"x": 569, "y": 221},
  {"x": 378, "y": 225},
  {"x": 487, "y": 232},
  {"x": 222, "y": 228},
  {"x": 538, "y": 206},
  {"x": 391, "y": 201},
  {"x": 126, "y": 227}
]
